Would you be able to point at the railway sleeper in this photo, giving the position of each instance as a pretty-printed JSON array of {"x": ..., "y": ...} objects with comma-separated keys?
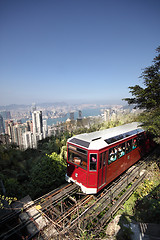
[
  {"x": 108, "y": 215},
  {"x": 106, "y": 199}
]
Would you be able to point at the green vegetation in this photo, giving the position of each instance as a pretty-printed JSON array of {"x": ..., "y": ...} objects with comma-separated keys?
[
  {"x": 148, "y": 97},
  {"x": 34, "y": 171},
  {"x": 144, "y": 203}
]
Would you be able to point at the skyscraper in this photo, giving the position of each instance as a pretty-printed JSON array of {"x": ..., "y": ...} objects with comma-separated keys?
[
  {"x": 9, "y": 129},
  {"x": 18, "y": 131},
  {"x": 1, "y": 125},
  {"x": 15, "y": 132},
  {"x": 28, "y": 140},
  {"x": 72, "y": 115},
  {"x": 37, "y": 127},
  {"x": 79, "y": 114},
  {"x": 106, "y": 115},
  {"x": 45, "y": 128},
  {"x": 6, "y": 115},
  {"x": 37, "y": 122}
]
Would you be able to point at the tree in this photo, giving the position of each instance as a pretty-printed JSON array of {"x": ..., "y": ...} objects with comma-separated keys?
[
  {"x": 148, "y": 97},
  {"x": 47, "y": 174}
]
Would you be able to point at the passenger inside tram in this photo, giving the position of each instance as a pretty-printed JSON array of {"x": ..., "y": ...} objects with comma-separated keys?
[
  {"x": 134, "y": 144},
  {"x": 113, "y": 155},
  {"x": 121, "y": 152}
]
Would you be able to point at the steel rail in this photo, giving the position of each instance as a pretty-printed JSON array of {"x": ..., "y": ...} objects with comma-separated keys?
[
  {"x": 106, "y": 198},
  {"x": 74, "y": 208},
  {"x": 18, "y": 210},
  {"x": 58, "y": 196},
  {"x": 105, "y": 195},
  {"x": 50, "y": 195},
  {"x": 98, "y": 226}
]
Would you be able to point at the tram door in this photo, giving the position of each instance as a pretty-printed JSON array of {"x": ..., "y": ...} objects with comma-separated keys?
[{"x": 102, "y": 171}]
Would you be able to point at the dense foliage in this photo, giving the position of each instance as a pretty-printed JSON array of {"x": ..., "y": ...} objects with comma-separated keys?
[
  {"x": 47, "y": 174},
  {"x": 148, "y": 206},
  {"x": 148, "y": 97},
  {"x": 144, "y": 203},
  {"x": 34, "y": 171}
]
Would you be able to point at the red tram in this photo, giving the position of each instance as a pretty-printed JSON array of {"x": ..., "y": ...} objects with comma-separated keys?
[{"x": 95, "y": 159}]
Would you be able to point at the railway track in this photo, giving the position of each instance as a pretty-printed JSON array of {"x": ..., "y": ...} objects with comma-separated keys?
[
  {"x": 26, "y": 218},
  {"x": 108, "y": 201},
  {"x": 61, "y": 213}
]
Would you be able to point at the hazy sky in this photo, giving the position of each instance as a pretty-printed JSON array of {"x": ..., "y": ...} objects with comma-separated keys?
[{"x": 81, "y": 50}]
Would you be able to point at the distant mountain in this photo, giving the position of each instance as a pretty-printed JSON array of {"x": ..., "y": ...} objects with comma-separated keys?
[
  {"x": 55, "y": 104},
  {"x": 23, "y": 106},
  {"x": 130, "y": 107},
  {"x": 13, "y": 107}
]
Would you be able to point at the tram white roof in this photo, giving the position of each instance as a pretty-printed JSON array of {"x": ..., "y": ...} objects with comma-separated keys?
[{"x": 100, "y": 139}]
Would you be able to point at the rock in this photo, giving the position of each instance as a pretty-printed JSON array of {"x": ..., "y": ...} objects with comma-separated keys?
[{"x": 113, "y": 227}]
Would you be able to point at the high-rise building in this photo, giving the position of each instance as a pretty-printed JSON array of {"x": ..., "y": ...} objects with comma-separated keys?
[
  {"x": 29, "y": 125},
  {"x": 71, "y": 115},
  {"x": 106, "y": 115},
  {"x": 55, "y": 130},
  {"x": 37, "y": 127},
  {"x": 9, "y": 129},
  {"x": 6, "y": 115},
  {"x": 28, "y": 140},
  {"x": 79, "y": 115},
  {"x": 6, "y": 126},
  {"x": 37, "y": 122},
  {"x": 15, "y": 132},
  {"x": 19, "y": 130},
  {"x": 27, "y": 135},
  {"x": 45, "y": 128},
  {"x": 1, "y": 125}
]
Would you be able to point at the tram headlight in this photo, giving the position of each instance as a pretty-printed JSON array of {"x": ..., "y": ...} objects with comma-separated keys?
[{"x": 76, "y": 174}]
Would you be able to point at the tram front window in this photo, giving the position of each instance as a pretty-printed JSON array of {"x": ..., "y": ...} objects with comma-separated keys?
[
  {"x": 78, "y": 157},
  {"x": 93, "y": 162}
]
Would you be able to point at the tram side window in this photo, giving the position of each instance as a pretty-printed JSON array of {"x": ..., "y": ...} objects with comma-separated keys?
[
  {"x": 121, "y": 150},
  {"x": 102, "y": 159},
  {"x": 128, "y": 146},
  {"x": 134, "y": 144},
  {"x": 140, "y": 139},
  {"x": 93, "y": 162},
  {"x": 112, "y": 155}
]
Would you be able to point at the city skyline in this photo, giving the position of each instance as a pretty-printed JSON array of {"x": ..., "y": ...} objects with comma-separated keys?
[
  {"x": 75, "y": 51},
  {"x": 26, "y": 133}
]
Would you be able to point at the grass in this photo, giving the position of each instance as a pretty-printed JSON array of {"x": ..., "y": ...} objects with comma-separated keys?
[{"x": 145, "y": 199}]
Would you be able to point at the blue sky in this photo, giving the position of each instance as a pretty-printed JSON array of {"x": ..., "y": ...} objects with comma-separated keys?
[{"x": 75, "y": 50}]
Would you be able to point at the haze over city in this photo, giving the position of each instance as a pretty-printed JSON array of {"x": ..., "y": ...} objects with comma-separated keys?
[{"x": 75, "y": 51}]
